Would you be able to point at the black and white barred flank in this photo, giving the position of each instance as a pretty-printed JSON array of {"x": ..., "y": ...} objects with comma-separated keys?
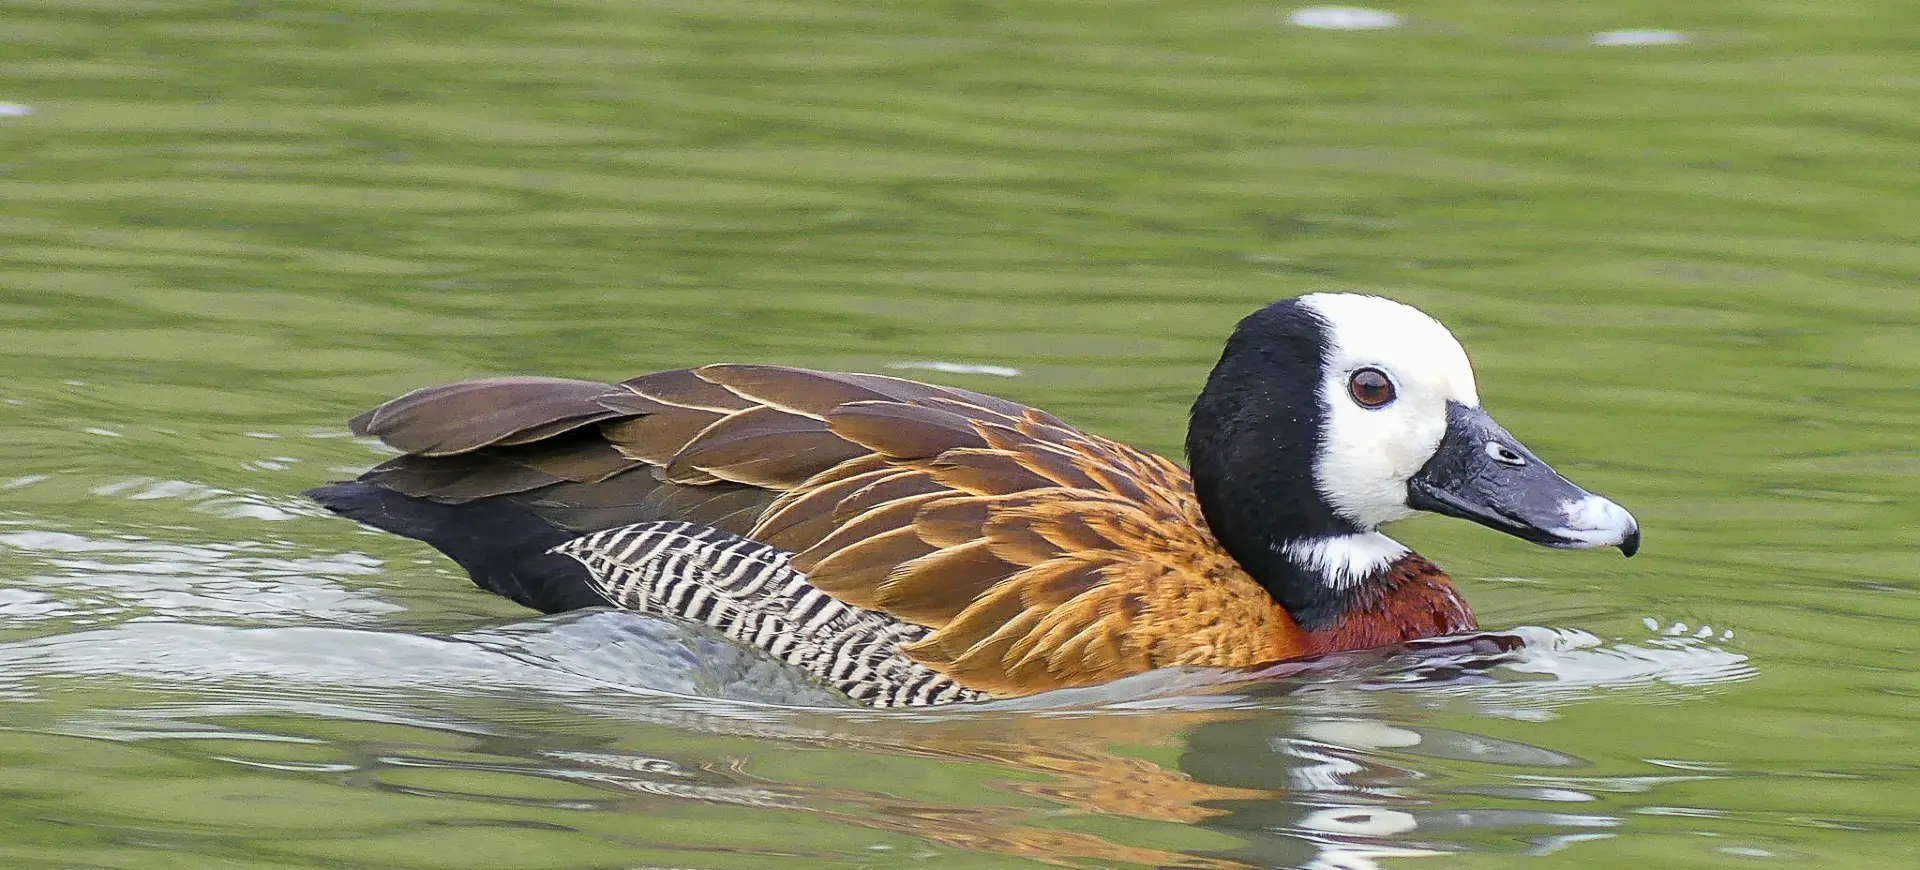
[{"x": 747, "y": 591}]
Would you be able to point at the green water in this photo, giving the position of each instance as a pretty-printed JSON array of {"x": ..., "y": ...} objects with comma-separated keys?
[{"x": 1686, "y": 273}]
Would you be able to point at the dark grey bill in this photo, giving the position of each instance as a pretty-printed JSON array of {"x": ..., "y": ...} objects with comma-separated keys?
[{"x": 1482, "y": 473}]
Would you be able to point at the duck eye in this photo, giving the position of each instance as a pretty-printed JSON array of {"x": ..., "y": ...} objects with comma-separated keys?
[
  {"x": 1504, "y": 455},
  {"x": 1370, "y": 388}
]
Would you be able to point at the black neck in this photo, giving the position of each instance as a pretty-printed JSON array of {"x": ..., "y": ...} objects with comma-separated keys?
[{"x": 1252, "y": 443}]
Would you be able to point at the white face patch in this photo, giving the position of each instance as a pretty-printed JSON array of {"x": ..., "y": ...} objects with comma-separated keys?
[
  {"x": 1366, "y": 455},
  {"x": 1345, "y": 561}
]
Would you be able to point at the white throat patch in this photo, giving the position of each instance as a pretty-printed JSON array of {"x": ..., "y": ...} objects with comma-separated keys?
[
  {"x": 1366, "y": 455},
  {"x": 1345, "y": 561}
]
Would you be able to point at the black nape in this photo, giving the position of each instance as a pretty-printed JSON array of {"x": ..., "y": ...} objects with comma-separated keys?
[{"x": 1252, "y": 443}]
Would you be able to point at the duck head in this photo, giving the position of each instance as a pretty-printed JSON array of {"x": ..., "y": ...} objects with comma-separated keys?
[{"x": 1332, "y": 414}]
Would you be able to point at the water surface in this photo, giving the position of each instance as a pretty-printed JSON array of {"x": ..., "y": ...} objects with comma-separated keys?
[{"x": 1685, "y": 272}]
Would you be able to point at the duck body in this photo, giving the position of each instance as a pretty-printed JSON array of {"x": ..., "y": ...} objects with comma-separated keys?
[{"x": 910, "y": 543}]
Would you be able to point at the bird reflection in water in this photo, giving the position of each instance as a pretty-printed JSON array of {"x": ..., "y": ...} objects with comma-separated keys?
[
  {"x": 1324, "y": 764},
  {"x": 1279, "y": 787}
]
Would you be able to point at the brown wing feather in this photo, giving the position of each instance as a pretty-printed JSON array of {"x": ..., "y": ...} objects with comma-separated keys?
[
  {"x": 874, "y": 521},
  {"x": 683, "y": 388},
  {"x": 903, "y": 432},
  {"x": 1039, "y": 556},
  {"x": 456, "y": 479},
  {"x": 762, "y": 446},
  {"x": 497, "y": 470},
  {"x": 954, "y": 520},
  {"x": 579, "y": 459},
  {"x": 934, "y": 588},
  {"x": 985, "y": 472},
  {"x": 812, "y": 393},
  {"x": 458, "y": 418},
  {"x": 656, "y": 438},
  {"x": 854, "y": 573},
  {"x": 804, "y": 515},
  {"x": 638, "y": 497}
]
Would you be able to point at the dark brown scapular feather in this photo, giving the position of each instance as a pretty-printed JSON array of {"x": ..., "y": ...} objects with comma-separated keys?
[
  {"x": 952, "y": 398},
  {"x": 1042, "y": 426},
  {"x": 816, "y": 393},
  {"x": 581, "y": 460},
  {"x": 1058, "y": 464},
  {"x": 1094, "y": 522},
  {"x": 871, "y": 523},
  {"x": 854, "y": 574},
  {"x": 976, "y": 406},
  {"x": 639, "y": 497},
  {"x": 692, "y": 477},
  {"x": 764, "y": 447},
  {"x": 493, "y": 471},
  {"x": 933, "y": 589},
  {"x": 497, "y": 471},
  {"x": 732, "y": 507},
  {"x": 812, "y": 393},
  {"x": 683, "y": 388},
  {"x": 903, "y": 432},
  {"x": 985, "y": 472},
  {"x": 555, "y": 428},
  {"x": 1051, "y": 461},
  {"x": 805, "y": 514},
  {"x": 458, "y": 418},
  {"x": 893, "y": 487},
  {"x": 1123, "y": 481},
  {"x": 656, "y": 438},
  {"x": 952, "y": 521},
  {"x": 623, "y": 399},
  {"x": 620, "y": 500},
  {"x": 456, "y": 479}
]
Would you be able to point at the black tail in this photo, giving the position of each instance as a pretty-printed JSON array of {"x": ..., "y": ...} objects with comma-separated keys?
[{"x": 502, "y": 545}]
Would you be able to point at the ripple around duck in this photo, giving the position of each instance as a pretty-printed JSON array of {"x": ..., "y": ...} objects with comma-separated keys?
[
  {"x": 1338, "y": 767},
  {"x": 1523, "y": 673},
  {"x": 79, "y": 579}
]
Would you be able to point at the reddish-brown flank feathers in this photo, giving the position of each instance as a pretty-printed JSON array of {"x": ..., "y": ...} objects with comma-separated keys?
[{"x": 1042, "y": 556}]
